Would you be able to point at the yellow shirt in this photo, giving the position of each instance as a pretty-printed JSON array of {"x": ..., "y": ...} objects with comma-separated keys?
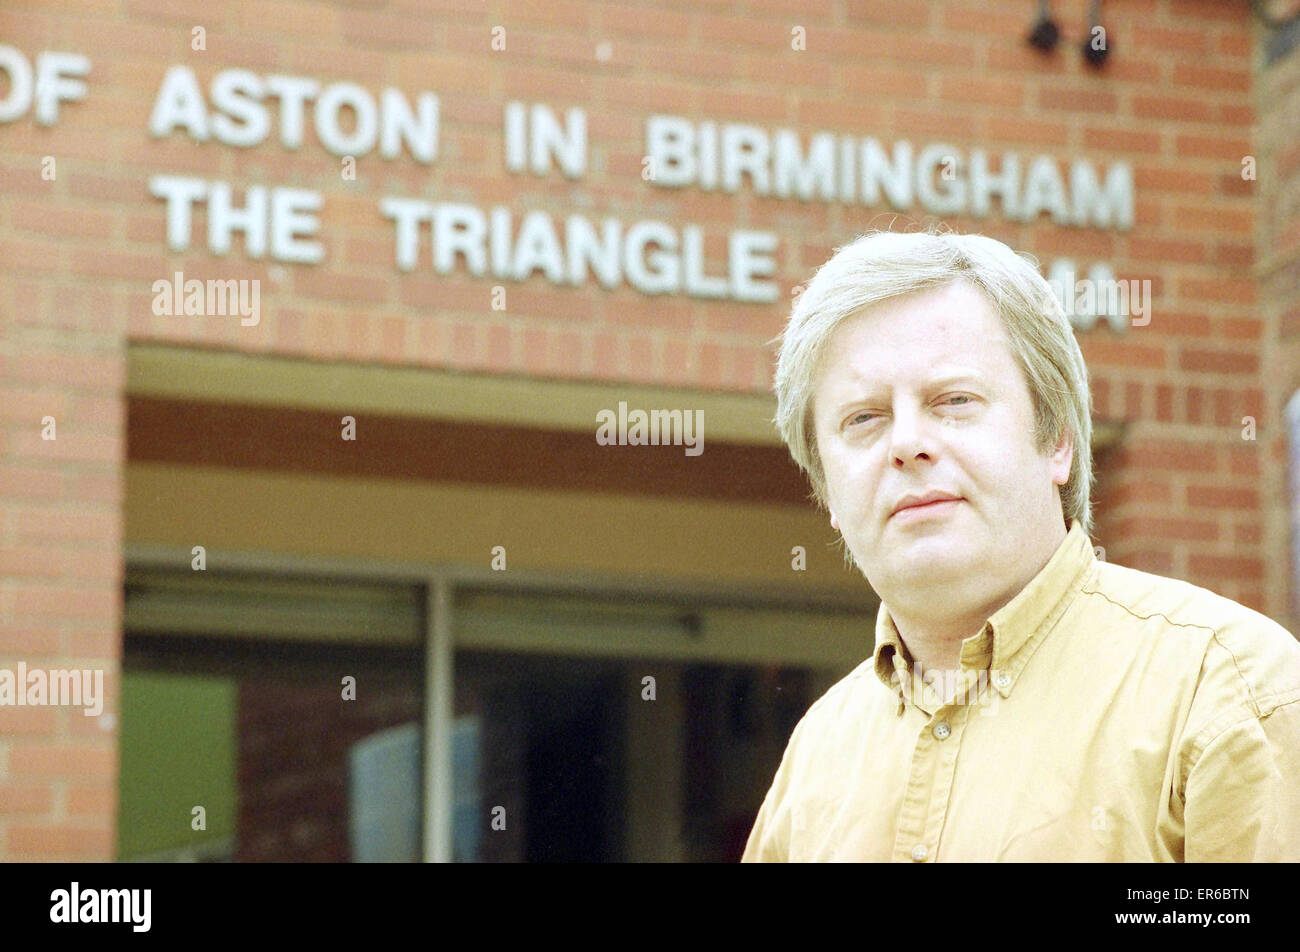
[{"x": 1103, "y": 714}]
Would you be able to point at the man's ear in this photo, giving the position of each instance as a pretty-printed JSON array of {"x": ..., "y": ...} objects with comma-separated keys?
[
  {"x": 1062, "y": 457},
  {"x": 835, "y": 523}
]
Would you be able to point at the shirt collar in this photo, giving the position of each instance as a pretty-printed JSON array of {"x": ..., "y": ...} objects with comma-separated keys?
[{"x": 1033, "y": 610}]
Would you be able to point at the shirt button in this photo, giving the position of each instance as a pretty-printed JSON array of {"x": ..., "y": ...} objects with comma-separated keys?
[
  {"x": 941, "y": 730},
  {"x": 918, "y": 852},
  {"x": 1003, "y": 680}
]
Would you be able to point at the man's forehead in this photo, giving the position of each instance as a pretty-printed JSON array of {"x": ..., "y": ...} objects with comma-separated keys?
[
  {"x": 906, "y": 337},
  {"x": 858, "y": 356},
  {"x": 956, "y": 309}
]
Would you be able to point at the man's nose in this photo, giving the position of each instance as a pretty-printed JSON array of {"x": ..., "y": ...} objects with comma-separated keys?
[{"x": 910, "y": 438}]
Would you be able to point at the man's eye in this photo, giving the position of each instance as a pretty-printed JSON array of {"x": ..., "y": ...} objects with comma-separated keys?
[
  {"x": 860, "y": 417},
  {"x": 959, "y": 396}
]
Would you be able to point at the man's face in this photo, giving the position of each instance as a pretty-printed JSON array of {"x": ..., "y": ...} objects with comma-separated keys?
[{"x": 919, "y": 395}]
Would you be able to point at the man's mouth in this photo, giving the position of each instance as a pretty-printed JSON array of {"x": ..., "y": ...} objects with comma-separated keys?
[{"x": 923, "y": 509}]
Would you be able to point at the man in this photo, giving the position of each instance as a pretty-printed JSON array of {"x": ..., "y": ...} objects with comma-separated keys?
[{"x": 1026, "y": 701}]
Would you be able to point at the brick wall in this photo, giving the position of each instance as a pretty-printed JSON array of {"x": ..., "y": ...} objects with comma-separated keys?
[
  {"x": 1185, "y": 494},
  {"x": 1278, "y": 271}
]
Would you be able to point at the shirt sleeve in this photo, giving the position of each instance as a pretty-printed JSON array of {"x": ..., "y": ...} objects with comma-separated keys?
[{"x": 1243, "y": 792}]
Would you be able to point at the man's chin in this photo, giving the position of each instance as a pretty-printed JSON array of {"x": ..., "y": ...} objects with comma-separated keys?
[{"x": 922, "y": 560}]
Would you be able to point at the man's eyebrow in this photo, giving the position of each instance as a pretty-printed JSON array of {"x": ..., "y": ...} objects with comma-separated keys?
[{"x": 943, "y": 378}]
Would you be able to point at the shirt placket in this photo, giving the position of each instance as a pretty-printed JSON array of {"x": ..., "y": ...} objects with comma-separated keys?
[{"x": 929, "y": 782}]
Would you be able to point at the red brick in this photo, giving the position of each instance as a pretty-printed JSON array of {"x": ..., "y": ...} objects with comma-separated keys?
[
  {"x": 1020, "y": 130},
  {"x": 1211, "y": 78},
  {"x": 1230, "y": 149},
  {"x": 876, "y": 80},
  {"x": 500, "y": 348},
  {"x": 99, "y": 372},
  {"x": 71, "y": 761},
  {"x": 29, "y": 641},
  {"x": 30, "y": 255},
  {"x": 1163, "y": 178},
  {"x": 1234, "y": 253},
  {"x": 710, "y": 364},
  {"x": 32, "y": 481},
  {"x": 1123, "y": 352},
  {"x": 1192, "y": 39},
  {"x": 1244, "y": 462},
  {"x": 1016, "y": 56},
  {"x": 1235, "y": 113},
  {"x": 913, "y": 48},
  {"x": 1223, "y": 497},
  {"x": 62, "y": 221},
  {"x": 27, "y": 721},
  {"x": 1158, "y": 561},
  {"x": 967, "y": 90},
  {"x": 1164, "y": 251},
  {"x": 62, "y": 840},
  {"x": 1100, "y": 398},
  {"x": 965, "y": 19},
  {"x": 337, "y": 287},
  {"x": 1233, "y": 184},
  {"x": 97, "y": 800},
  {"x": 1233, "y": 43},
  {"x": 1183, "y": 530},
  {"x": 1247, "y": 535},
  {"x": 31, "y": 561},
  {"x": 1134, "y": 393},
  {"x": 1158, "y": 455},
  {"x": 1219, "y": 361},
  {"x": 535, "y": 346},
  {"x": 1240, "y": 328},
  {"x": 1123, "y": 140},
  {"x": 901, "y": 13},
  {"x": 366, "y": 28},
  {"x": 466, "y": 343},
  {"x": 1212, "y": 217},
  {"x": 1226, "y": 407},
  {"x": 1164, "y": 403},
  {"x": 39, "y": 523},
  {"x": 1252, "y": 597},
  {"x": 925, "y": 121},
  {"x": 104, "y": 641},
  {"x": 1144, "y": 492},
  {"x": 1078, "y": 99},
  {"x": 33, "y": 600},
  {"x": 1233, "y": 290},
  {"x": 565, "y": 354},
  {"x": 799, "y": 71},
  {"x": 22, "y": 797},
  {"x": 638, "y": 311},
  {"x": 1223, "y": 566}
]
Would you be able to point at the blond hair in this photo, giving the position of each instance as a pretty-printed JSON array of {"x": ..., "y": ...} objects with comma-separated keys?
[{"x": 880, "y": 265}]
